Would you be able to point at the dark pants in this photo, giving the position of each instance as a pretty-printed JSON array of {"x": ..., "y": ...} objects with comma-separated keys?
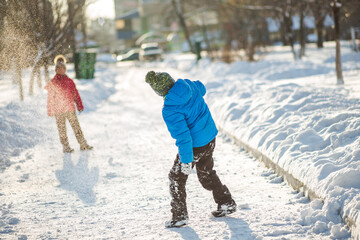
[{"x": 208, "y": 178}]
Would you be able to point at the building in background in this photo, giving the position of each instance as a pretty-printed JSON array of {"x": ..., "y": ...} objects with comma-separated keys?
[
  {"x": 138, "y": 21},
  {"x": 104, "y": 34},
  {"x": 127, "y": 22},
  {"x": 141, "y": 21}
]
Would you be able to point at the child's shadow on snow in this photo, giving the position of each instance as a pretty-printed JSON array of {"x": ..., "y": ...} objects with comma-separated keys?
[
  {"x": 79, "y": 178},
  {"x": 238, "y": 227},
  {"x": 187, "y": 233}
]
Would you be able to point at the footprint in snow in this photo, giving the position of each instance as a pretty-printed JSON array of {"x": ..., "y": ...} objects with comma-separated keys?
[{"x": 24, "y": 177}]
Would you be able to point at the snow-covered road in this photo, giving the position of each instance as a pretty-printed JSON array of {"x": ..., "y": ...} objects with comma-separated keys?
[{"x": 120, "y": 189}]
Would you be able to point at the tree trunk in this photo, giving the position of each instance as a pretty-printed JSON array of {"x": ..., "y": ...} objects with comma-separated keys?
[
  {"x": 38, "y": 77},
  {"x": 19, "y": 80},
  {"x": 302, "y": 31},
  {"x": 35, "y": 73},
  {"x": 31, "y": 83},
  {"x": 226, "y": 52},
  {"x": 2, "y": 23},
  {"x": 319, "y": 11},
  {"x": 206, "y": 38},
  {"x": 83, "y": 28},
  {"x": 46, "y": 71},
  {"x": 21, "y": 91},
  {"x": 283, "y": 33},
  {"x": 353, "y": 38},
  {"x": 71, "y": 13},
  {"x": 287, "y": 19},
  {"x": 336, "y": 4},
  {"x": 13, "y": 71},
  {"x": 320, "y": 35},
  {"x": 178, "y": 11},
  {"x": 250, "y": 48},
  {"x": 289, "y": 34}
]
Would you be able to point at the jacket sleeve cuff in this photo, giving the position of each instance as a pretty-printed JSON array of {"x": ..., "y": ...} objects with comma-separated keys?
[{"x": 186, "y": 158}]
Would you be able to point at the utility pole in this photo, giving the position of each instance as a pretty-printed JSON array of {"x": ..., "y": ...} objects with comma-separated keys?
[{"x": 336, "y": 5}]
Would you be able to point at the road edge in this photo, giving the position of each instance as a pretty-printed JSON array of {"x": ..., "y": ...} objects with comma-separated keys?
[{"x": 351, "y": 219}]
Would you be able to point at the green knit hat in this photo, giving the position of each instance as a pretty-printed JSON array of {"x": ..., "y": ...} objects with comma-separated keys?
[{"x": 160, "y": 82}]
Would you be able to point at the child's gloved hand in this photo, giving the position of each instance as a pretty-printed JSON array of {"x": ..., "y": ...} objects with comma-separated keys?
[
  {"x": 186, "y": 168},
  {"x": 80, "y": 111}
]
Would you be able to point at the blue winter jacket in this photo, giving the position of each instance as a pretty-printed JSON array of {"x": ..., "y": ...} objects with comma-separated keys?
[{"x": 188, "y": 118}]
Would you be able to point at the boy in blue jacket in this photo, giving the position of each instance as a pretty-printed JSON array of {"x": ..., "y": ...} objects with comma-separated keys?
[{"x": 190, "y": 123}]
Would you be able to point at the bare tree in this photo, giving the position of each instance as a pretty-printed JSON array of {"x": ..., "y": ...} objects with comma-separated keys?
[
  {"x": 287, "y": 10},
  {"x": 320, "y": 8},
  {"x": 302, "y": 37},
  {"x": 16, "y": 50},
  {"x": 350, "y": 20},
  {"x": 251, "y": 27},
  {"x": 76, "y": 9},
  {"x": 242, "y": 30},
  {"x": 2, "y": 24},
  {"x": 199, "y": 9},
  {"x": 35, "y": 31},
  {"x": 72, "y": 23},
  {"x": 178, "y": 7}
]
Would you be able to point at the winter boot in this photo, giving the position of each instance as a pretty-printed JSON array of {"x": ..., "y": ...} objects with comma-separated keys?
[
  {"x": 178, "y": 222},
  {"x": 224, "y": 209},
  {"x": 85, "y": 146},
  {"x": 172, "y": 224},
  {"x": 67, "y": 149}
]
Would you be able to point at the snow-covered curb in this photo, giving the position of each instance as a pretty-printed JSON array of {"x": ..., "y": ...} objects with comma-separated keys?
[
  {"x": 292, "y": 181},
  {"x": 350, "y": 217}
]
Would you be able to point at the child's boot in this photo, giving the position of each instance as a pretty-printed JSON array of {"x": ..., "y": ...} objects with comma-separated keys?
[
  {"x": 180, "y": 216},
  {"x": 177, "y": 222},
  {"x": 85, "y": 146},
  {"x": 67, "y": 149},
  {"x": 225, "y": 209},
  {"x": 226, "y": 203}
]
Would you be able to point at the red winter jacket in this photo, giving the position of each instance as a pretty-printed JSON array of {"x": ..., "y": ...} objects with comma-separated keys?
[{"x": 62, "y": 94}]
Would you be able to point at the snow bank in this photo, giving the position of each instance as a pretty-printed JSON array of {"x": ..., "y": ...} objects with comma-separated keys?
[
  {"x": 17, "y": 131},
  {"x": 293, "y": 113}
]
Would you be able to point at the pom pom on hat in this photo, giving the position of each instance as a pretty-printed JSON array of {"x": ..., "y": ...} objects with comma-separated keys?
[
  {"x": 161, "y": 82},
  {"x": 60, "y": 62},
  {"x": 59, "y": 58}
]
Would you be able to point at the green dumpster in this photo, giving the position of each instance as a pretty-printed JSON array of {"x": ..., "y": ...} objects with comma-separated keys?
[{"x": 84, "y": 62}]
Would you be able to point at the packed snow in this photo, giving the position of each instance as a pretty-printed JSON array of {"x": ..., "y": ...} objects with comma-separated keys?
[{"x": 291, "y": 111}]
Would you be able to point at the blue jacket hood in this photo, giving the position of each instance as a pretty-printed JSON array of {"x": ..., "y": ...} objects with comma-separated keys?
[{"x": 179, "y": 94}]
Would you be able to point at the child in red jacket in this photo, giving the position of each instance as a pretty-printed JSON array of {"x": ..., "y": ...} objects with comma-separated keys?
[{"x": 62, "y": 94}]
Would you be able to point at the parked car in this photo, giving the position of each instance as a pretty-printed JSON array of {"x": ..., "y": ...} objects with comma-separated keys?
[
  {"x": 150, "y": 51},
  {"x": 129, "y": 56}
]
